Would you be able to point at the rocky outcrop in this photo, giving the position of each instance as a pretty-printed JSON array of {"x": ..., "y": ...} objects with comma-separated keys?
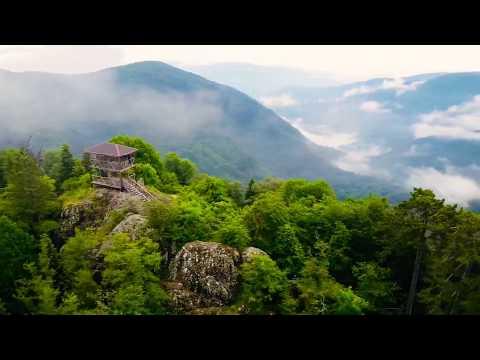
[
  {"x": 207, "y": 272},
  {"x": 80, "y": 215},
  {"x": 92, "y": 212},
  {"x": 250, "y": 252},
  {"x": 114, "y": 200},
  {"x": 204, "y": 277},
  {"x": 134, "y": 225},
  {"x": 183, "y": 299}
]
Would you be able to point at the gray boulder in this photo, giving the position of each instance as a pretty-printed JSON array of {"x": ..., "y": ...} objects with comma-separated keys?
[
  {"x": 207, "y": 269},
  {"x": 133, "y": 225},
  {"x": 250, "y": 252}
]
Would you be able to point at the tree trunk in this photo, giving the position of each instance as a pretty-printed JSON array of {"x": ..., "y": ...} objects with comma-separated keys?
[{"x": 415, "y": 276}]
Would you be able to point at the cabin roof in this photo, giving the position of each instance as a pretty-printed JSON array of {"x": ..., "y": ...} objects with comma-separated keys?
[{"x": 108, "y": 149}]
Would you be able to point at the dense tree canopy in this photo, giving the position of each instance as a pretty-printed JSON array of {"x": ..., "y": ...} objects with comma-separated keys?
[{"x": 325, "y": 256}]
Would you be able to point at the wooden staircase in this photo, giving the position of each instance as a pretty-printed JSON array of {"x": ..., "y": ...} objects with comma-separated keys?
[{"x": 133, "y": 187}]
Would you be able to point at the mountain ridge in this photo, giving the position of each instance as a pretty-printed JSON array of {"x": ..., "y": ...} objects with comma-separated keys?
[{"x": 171, "y": 108}]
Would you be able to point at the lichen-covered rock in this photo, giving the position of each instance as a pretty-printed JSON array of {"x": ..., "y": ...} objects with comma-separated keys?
[
  {"x": 182, "y": 299},
  {"x": 115, "y": 200},
  {"x": 210, "y": 270},
  {"x": 80, "y": 215},
  {"x": 92, "y": 212},
  {"x": 249, "y": 252},
  {"x": 133, "y": 225}
]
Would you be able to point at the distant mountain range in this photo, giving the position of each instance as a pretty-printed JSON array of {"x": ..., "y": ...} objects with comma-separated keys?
[
  {"x": 257, "y": 81},
  {"x": 422, "y": 130},
  {"x": 224, "y": 131}
]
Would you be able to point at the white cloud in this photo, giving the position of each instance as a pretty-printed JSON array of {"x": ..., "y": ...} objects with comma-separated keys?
[
  {"x": 457, "y": 122},
  {"x": 361, "y": 90},
  {"x": 283, "y": 100},
  {"x": 347, "y": 62},
  {"x": 95, "y": 106},
  {"x": 449, "y": 185},
  {"x": 324, "y": 137},
  {"x": 358, "y": 160},
  {"x": 373, "y": 107},
  {"x": 59, "y": 58},
  {"x": 398, "y": 85}
]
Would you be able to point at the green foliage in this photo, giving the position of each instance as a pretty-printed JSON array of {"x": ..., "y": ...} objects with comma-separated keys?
[
  {"x": 76, "y": 190},
  {"x": 326, "y": 256},
  {"x": 169, "y": 183},
  {"x": 349, "y": 304},
  {"x": 296, "y": 189},
  {"x": 288, "y": 251},
  {"x": 269, "y": 184},
  {"x": 235, "y": 192},
  {"x": 265, "y": 288},
  {"x": 183, "y": 169},
  {"x": 74, "y": 255},
  {"x": 250, "y": 193},
  {"x": 339, "y": 249},
  {"x": 146, "y": 153},
  {"x": 264, "y": 218},
  {"x": 233, "y": 232},
  {"x": 60, "y": 165},
  {"x": 374, "y": 285},
  {"x": 78, "y": 169},
  {"x": 67, "y": 164},
  {"x": 320, "y": 294},
  {"x": 3, "y": 308},
  {"x": 38, "y": 292},
  {"x": 189, "y": 219},
  {"x": 210, "y": 188},
  {"x": 410, "y": 232},
  {"x": 16, "y": 248},
  {"x": 147, "y": 173},
  {"x": 7, "y": 157},
  {"x": 29, "y": 196},
  {"x": 131, "y": 275},
  {"x": 51, "y": 164},
  {"x": 114, "y": 218},
  {"x": 452, "y": 284}
]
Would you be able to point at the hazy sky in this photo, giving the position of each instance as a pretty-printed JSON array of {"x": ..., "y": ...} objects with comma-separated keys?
[{"x": 346, "y": 63}]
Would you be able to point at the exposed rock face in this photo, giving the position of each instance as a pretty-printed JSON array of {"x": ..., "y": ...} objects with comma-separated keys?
[
  {"x": 182, "y": 298},
  {"x": 133, "y": 225},
  {"x": 208, "y": 270},
  {"x": 91, "y": 213},
  {"x": 249, "y": 252},
  {"x": 113, "y": 200},
  {"x": 80, "y": 215}
]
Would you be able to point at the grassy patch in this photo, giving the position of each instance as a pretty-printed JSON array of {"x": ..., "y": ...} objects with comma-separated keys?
[{"x": 74, "y": 197}]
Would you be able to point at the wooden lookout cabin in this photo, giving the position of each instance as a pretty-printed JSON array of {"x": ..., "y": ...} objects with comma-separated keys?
[{"x": 112, "y": 161}]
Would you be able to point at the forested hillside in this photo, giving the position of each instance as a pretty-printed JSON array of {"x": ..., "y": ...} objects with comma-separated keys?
[
  {"x": 226, "y": 132},
  {"x": 207, "y": 245}
]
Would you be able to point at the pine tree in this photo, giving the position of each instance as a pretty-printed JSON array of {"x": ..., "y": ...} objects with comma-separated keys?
[
  {"x": 250, "y": 191},
  {"x": 29, "y": 197},
  {"x": 67, "y": 164}
]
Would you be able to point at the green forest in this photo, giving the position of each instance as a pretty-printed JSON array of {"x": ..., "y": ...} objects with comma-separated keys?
[{"x": 319, "y": 255}]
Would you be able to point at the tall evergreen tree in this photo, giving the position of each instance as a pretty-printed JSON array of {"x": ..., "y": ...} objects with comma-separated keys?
[
  {"x": 67, "y": 164},
  {"x": 250, "y": 193},
  {"x": 29, "y": 197}
]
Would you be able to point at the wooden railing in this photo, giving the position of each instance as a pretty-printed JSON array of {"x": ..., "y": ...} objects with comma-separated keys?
[
  {"x": 142, "y": 189},
  {"x": 113, "y": 165}
]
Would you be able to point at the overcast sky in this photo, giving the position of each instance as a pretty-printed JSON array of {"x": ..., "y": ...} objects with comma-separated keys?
[{"x": 346, "y": 63}]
